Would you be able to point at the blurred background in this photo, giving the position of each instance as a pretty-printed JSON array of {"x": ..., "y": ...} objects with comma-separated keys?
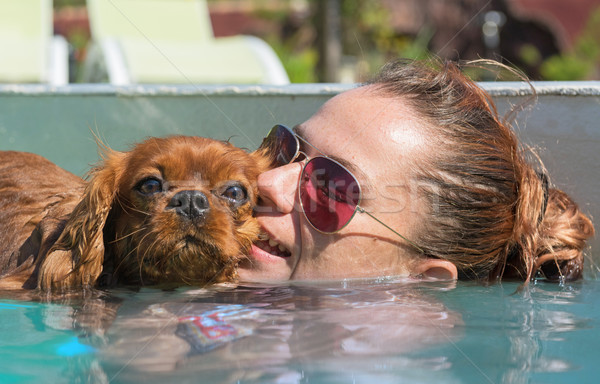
[{"x": 348, "y": 40}]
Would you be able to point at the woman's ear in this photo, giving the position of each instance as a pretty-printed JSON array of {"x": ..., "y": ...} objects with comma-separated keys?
[{"x": 436, "y": 269}]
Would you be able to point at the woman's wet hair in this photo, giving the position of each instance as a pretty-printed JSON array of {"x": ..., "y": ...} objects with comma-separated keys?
[{"x": 492, "y": 213}]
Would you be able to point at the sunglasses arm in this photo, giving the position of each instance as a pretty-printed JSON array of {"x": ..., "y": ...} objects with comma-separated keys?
[{"x": 361, "y": 210}]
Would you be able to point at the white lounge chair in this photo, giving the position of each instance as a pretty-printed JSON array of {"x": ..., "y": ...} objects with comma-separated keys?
[
  {"x": 29, "y": 53},
  {"x": 172, "y": 41}
]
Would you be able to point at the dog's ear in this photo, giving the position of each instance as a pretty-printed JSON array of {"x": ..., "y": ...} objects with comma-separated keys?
[
  {"x": 263, "y": 159},
  {"x": 75, "y": 260}
]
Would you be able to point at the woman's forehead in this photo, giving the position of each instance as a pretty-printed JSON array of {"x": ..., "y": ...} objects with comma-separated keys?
[{"x": 364, "y": 120}]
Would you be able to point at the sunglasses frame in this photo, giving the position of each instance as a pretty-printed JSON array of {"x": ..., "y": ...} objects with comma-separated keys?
[{"x": 357, "y": 208}]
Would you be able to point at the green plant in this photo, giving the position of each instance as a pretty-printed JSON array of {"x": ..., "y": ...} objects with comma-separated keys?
[
  {"x": 299, "y": 64},
  {"x": 582, "y": 60}
]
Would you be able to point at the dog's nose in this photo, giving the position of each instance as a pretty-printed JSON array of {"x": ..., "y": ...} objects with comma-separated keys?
[{"x": 190, "y": 204}]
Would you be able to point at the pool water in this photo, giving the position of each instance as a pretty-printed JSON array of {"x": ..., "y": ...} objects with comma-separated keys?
[{"x": 359, "y": 331}]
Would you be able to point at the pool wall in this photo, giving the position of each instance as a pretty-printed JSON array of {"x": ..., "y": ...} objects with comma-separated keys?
[{"x": 62, "y": 123}]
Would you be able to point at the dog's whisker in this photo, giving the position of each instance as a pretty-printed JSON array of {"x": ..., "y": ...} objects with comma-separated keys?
[
  {"x": 148, "y": 214},
  {"x": 158, "y": 263},
  {"x": 131, "y": 208},
  {"x": 142, "y": 257},
  {"x": 123, "y": 260},
  {"x": 126, "y": 236}
]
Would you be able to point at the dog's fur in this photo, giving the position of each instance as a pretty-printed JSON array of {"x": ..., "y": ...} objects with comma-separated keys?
[{"x": 174, "y": 210}]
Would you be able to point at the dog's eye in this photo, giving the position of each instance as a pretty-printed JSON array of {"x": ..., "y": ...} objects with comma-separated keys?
[
  {"x": 236, "y": 193},
  {"x": 149, "y": 186}
]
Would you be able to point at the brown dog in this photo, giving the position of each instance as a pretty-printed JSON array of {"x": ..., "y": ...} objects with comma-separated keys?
[{"x": 174, "y": 210}]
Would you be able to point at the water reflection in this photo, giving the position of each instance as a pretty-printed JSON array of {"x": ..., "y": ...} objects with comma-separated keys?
[
  {"x": 325, "y": 332},
  {"x": 542, "y": 322},
  {"x": 522, "y": 336},
  {"x": 339, "y": 332}
]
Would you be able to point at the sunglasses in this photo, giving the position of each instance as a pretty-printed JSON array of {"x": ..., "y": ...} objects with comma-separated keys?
[{"x": 330, "y": 194}]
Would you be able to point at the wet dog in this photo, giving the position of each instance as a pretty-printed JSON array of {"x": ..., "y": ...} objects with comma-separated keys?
[{"x": 171, "y": 211}]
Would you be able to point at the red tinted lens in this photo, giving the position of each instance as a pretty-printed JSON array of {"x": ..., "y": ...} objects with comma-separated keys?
[
  {"x": 282, "y": 144},
  {"x": 329, "y": 194}
]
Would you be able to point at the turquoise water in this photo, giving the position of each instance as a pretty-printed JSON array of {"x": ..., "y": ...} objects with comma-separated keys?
[{"x": 368, "y": 331}]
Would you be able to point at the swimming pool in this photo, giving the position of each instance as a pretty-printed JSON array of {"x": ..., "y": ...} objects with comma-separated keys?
[
  {"x": 374, "y": 331},
  {"x": 359, "y": 331}
]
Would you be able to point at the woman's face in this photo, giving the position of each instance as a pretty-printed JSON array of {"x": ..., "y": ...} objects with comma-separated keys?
[{"x": 380, "y": 138}]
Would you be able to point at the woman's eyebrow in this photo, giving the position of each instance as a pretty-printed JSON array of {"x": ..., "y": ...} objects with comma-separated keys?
[{"x": 365, "y": 181}]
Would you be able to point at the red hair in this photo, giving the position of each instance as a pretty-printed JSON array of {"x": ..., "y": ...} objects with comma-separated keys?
[{"x": 490, "y": 212}]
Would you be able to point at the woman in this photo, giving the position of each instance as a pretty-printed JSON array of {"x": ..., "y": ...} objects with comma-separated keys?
[{"x": 438, "y": 185}]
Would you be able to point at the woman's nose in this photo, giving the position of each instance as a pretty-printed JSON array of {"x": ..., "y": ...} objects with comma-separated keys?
[{"x": 277, "y": 188}]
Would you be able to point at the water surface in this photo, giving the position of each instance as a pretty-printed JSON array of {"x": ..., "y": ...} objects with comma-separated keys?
[{"x": 363, "y": 331}]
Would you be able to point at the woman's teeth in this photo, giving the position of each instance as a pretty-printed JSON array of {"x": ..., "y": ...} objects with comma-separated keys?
[
  {"x": 273, "y": 243},
  {"x": 271, "y": 246}
]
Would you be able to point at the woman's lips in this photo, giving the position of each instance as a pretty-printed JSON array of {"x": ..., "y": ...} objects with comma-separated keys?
[
  {"x": 270, "y": 247},
  {"x": 268, "y": 260}
]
